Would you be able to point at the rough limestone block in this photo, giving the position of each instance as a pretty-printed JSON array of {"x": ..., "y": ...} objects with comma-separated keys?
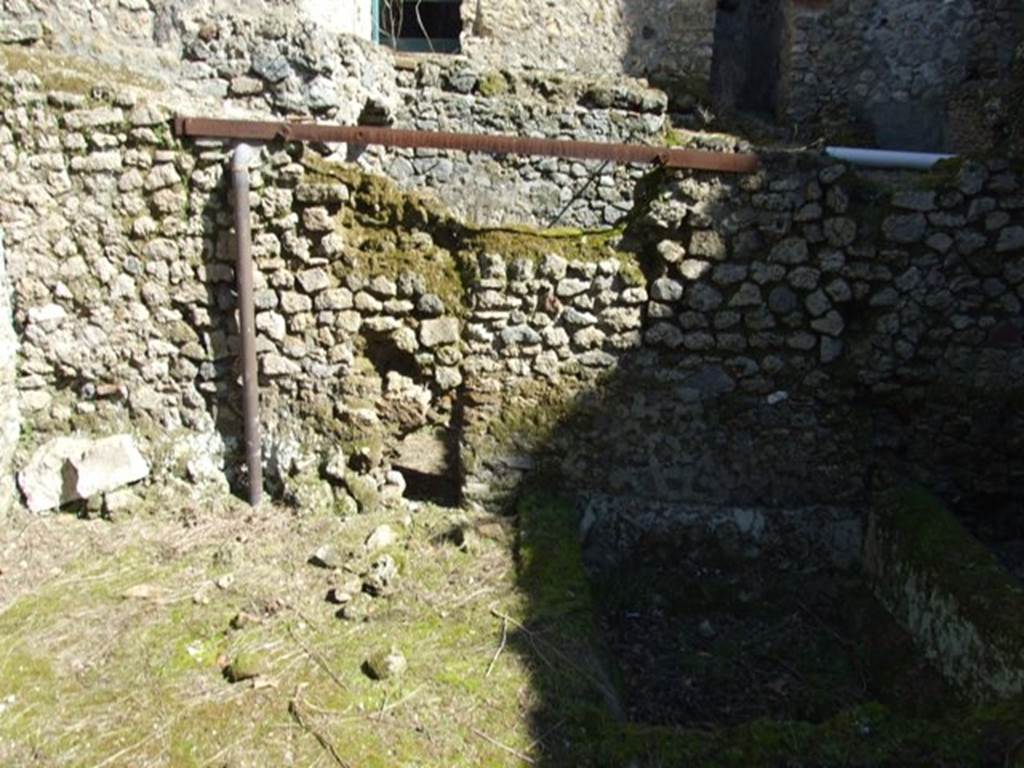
[
  {"x": 105, "y": 465},
  {"x": 66, "y": 469},
  {"x": 42, "y": 479},
  {"x": 949, "y": 592}
]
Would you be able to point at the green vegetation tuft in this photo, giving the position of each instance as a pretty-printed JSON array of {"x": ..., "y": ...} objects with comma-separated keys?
[{"x": 493, "y": 83}]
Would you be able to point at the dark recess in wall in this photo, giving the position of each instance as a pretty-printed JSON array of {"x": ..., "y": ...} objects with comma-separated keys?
[
  {"x": 750, "y": 51},
  {"x": 421, "y": 25}
]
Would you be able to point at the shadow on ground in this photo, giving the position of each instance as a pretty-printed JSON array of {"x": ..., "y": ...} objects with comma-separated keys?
[{"x": 688, "y": 654}]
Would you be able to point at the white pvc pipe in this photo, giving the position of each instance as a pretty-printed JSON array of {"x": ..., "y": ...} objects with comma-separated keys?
[{"x": 884, "y": 158}]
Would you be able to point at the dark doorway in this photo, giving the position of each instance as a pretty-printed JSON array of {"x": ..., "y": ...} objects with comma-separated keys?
[
  {"x": 751, "y": 50},
  {"x": 421, "y": 26}
]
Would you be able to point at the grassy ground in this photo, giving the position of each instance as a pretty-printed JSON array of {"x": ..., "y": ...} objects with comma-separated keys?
[{"x": 116, "y": 637}]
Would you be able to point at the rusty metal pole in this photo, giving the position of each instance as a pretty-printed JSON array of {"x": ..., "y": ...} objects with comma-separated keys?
[
  {"x": 263, "y": 131},
  {"x": 240, "y": 160}
]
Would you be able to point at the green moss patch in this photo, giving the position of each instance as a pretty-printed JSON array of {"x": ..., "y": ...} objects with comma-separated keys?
[
  {"x": 381, "y": 222},
  {"x": 98, "y": 671}
]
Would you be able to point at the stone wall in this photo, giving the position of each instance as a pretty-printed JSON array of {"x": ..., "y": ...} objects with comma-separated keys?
[
  {"x": 10, "y": 421},
  {"x": 799, "y": 338},
  {"x": 532, "y": 190},
  {"x": 256, "y": 69},
  {"x": 925, "y": 75},
  {"x": 665, "y": 40},
  {"x": 940, "y": 584},
  {"x": 277, "y": 67},
  {"x": 790, "y": 337}
]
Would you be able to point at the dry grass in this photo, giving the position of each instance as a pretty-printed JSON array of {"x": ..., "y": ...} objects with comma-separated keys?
[{"x": 90, "y": 677}]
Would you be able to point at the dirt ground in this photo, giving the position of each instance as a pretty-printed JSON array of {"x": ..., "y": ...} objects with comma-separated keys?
[{"x": 706, "y": 641}]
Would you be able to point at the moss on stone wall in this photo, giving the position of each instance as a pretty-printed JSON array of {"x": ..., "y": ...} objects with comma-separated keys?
[
  {"x": 382, "y": 218},
  {"x": 68, "y": 73}
]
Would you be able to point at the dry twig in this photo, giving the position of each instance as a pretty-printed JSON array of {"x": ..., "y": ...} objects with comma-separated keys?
[
  {"x": 501, "y": 646},
  {"x": 505, "y": 747},
  {"x": 295, "y": 711},
  {"x": 318, "y": 660}
]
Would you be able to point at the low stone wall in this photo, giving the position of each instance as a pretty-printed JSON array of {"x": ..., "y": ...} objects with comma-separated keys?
[
  {"x": 10, "y": 419},
  {"x": 612, "y": 528},
  {"x": 949, "y": 592}
]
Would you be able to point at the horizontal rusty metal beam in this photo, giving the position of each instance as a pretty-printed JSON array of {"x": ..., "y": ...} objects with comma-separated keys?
[{"x": 254, "y": 130}]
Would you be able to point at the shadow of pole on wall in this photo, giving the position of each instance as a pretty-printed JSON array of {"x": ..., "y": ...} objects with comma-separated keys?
[{"x": 218, "y": 376}]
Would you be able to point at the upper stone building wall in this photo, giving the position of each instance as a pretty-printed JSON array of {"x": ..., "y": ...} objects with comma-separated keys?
[
  {"x": 925, "y": 75},
  {"x": 660, "y": 39}
]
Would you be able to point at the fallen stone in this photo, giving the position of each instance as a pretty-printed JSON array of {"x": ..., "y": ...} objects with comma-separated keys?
[
  {"x": 381, "y": 577},
  {"x": 67, "y": 469},
  {"x": 245, "y": 666},
  {"x": 105, "y": 465},
  {"x": 383, "y": 536},
  {"x": 325, "y": 556},
  {"x": 148, "y": 592},
  {"x": 386, "y": 664},
  {"x": 244, "y": 619},
  {"x": 120, "y": 502},
  {"x": 344, "y": 504},
  {"x": 42, "y": 479},
  {"x": 359, "y": 608},
  {"x": 339, "y": 596},
  {"x": 364, "y": 490}
]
